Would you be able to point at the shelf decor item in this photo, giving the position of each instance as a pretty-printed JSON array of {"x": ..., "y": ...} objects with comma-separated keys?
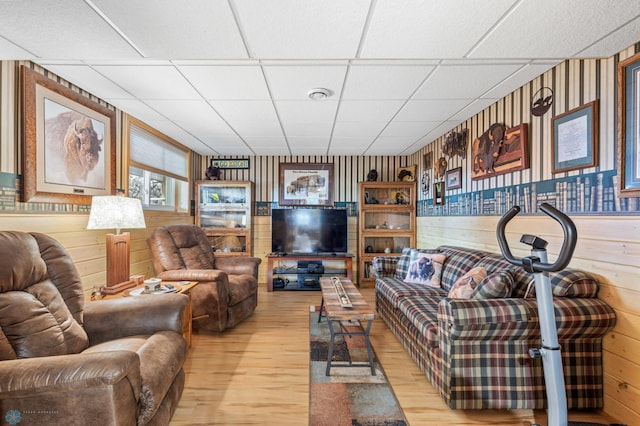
[
  {"x": 68, "y": 143},
  {"x": 629, "y": 126},
  {"x": 306, "y": 184},
  {"x": 575, "y": 138}
]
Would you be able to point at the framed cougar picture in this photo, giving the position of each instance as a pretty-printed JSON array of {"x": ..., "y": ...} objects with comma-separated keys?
[{"x": 68, "y": 143}]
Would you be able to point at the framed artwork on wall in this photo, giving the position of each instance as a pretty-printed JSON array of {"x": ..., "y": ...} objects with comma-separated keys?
[
  {"x": 575, "y": 138},
  {"x": 428, "y": 160},
  {"x": 453, "y": 178},
  {"x": 306, "y": 184},
  {"x": 500, "y": 150},
  {"x": 407, "y": 174},
  {"x": 68, "y": 143},
  {"x": 629, "y": 126},
  {"x": 438, "y": 193}
]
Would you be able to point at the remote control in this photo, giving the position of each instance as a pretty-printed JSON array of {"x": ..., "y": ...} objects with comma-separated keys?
[{"x": 342, "y": 295}]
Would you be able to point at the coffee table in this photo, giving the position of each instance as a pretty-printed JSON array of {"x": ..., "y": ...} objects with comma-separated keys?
[{"x": 335, "y": 313}]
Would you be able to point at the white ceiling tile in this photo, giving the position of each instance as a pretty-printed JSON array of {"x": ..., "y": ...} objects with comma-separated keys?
[
  {"x": 228, "y": 82},
  {"x": 307, "y": 111},
  {"x": 281, "y": 29},
  {"x": 296, "y": 128},
  {"x": 368, "y": 111},
  {"x": 178, "y": 134},
  {"x": 341, "y": 145},
  {"x": 9, "y": 51},
  {"x": 257, "y": 128},
  {"x": 429, "y": 29},
  {"x": 613, "y": 42},
  {"x": 63, "y": 29},
  {"x": 382, "y": 144},
  {"x": 352, "y": 129},
  {"x": 137, "y": 108},
  {"x": 473, "y": 108},
  {"x": 409, "y": 129},
  {"x": 294, "y": 82},
  {"x": 388, "y": 82},
  {"x": 189, "y": 111},
  {"x": 430, "y": 110},
  {"x": 245, "y": 111},
  {"x": 206, "y": 29},
  {"x": 463, "y": 82},
  {"x": 518, "y": 79},
  {"x": 544, "y": 28},
  {"x": 84, "y": 77},
  {"x": 144, "y": 81}
]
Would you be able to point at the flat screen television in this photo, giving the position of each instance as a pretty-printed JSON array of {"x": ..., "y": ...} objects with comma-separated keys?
[{"x": 308, "y": 231}]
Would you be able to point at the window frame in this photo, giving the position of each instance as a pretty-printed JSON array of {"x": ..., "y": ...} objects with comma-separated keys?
[{"x": 130, "y": 121}]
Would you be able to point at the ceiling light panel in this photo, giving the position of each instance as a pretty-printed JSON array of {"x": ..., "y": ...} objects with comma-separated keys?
[
  {"x": 177, "y": 29},
  {"x": 291, "y": 29},
  {"x": 429, "y": 29}
]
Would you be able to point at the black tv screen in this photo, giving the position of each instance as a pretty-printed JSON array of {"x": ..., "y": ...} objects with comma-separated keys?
[{"x": 309, "y": 231}]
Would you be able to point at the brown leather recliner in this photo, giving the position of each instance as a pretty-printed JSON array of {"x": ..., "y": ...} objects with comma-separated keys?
[
  {"x": 227, "y": 292},
  {"x": 64, "y": 361}
]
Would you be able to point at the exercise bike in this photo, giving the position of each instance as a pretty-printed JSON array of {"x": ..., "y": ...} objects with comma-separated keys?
[{"x": 537, "y": 264}]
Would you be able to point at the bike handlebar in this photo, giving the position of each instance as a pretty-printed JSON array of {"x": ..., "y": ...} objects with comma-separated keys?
[{"x": 568, "y": 245}]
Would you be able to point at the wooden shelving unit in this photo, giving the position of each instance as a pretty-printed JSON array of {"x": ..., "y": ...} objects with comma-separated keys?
[
  {"x": 387, "y": 223},
  {"x": 224, "y": 211}
]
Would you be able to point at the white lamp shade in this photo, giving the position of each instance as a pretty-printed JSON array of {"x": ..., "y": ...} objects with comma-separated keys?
[{"x": 115, "y": 212}]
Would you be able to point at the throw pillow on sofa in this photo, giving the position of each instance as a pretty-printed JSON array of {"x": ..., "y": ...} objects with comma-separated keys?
[
  {"x": 495, "y": 286},
  {"x": 466, "y": 284},
  {"x": 425, "y": 268}
]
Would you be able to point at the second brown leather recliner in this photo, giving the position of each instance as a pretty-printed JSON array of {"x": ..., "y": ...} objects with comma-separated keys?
[{"x": 227, "y": 292}]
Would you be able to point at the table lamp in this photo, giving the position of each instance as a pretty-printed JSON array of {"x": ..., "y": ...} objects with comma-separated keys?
[{"x": 117, "y": 212}]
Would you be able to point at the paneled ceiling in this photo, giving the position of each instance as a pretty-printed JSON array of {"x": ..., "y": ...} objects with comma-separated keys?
[{"x": 231, "y": 77}]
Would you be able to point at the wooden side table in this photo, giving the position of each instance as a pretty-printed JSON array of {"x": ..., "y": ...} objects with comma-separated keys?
[{"x": 187, "y": 323}]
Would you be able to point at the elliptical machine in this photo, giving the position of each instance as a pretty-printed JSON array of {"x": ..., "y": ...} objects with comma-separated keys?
[{"x": 537, "y": 264}]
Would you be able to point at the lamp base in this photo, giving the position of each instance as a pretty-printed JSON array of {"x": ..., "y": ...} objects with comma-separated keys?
[{"x": 117, "y": 288}]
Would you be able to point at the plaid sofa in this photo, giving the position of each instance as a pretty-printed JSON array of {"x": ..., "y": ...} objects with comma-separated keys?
[{"x": 476, "y": 352}]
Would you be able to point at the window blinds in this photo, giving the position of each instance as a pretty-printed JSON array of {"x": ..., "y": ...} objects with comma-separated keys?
[{"x": 150, "y": 150}]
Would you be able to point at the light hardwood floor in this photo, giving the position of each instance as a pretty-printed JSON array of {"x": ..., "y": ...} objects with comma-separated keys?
[{"x": 258, "y": 373}]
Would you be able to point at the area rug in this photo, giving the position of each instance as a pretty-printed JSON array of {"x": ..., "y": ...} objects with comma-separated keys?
[{"x": 350, "y": 396}]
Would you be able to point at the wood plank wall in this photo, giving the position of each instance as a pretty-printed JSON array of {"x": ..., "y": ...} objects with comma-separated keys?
[{"x": 608, "y": 245}]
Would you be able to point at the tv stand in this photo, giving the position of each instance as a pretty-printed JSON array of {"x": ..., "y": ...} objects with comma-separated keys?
[{"x": 285, "y": 266}]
